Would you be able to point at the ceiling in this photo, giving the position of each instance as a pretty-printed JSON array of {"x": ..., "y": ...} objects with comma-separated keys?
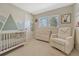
[{"x": 37, "y": 8}]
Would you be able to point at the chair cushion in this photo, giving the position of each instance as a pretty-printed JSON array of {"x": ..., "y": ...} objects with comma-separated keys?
[
  {"x": 64, "y": 32},
  {"x": 59, "y": 41}
]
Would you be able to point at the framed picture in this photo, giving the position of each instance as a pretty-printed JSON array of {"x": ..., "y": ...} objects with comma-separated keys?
[
  {"x": 36, "y": 20},
  {"x": 66, "y": 18}
]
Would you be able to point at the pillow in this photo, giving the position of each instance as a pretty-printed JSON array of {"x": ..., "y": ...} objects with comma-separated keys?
[{"x": 64, "y": 32}]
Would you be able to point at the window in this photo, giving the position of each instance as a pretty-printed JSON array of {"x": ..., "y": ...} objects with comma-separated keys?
[
  {"x": 43, "y": 22},
  {"x": 55, "y": 21}
]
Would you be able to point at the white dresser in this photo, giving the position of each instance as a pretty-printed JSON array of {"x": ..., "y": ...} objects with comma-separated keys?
[{"x": 77, "y": 39}]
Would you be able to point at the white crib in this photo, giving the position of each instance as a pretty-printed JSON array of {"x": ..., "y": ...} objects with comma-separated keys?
[{"x": 11, "y": 39}]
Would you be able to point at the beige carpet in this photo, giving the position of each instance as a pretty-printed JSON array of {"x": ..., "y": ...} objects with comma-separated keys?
[{"x": 38, "y": 48}]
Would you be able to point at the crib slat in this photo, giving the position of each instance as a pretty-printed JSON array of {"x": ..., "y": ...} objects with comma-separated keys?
[
  {"x": 9, "y": 40},
  {"x": 0, "y": 43}
]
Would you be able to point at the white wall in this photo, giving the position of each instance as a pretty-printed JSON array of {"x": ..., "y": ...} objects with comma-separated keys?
[
  {"x": 18, "y": 14},
  {"x": 59, "y": 11}
]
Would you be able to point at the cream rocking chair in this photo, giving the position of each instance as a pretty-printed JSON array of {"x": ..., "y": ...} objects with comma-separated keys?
[{"x": 63, "y": 40}]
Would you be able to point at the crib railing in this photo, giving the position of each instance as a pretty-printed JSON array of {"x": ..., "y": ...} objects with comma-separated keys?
[{"x": 10, "y": 39}]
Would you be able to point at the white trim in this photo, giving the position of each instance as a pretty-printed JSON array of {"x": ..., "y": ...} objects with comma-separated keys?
[{"x": 4, "y": 23}]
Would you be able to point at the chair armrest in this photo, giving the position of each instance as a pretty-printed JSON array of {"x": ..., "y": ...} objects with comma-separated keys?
[
  {"x": 69, "y": 44},
  {"x": 70, "y": 40},
  {"x": 70, "y": 37},
  {"x": 53, "y": 35}
]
